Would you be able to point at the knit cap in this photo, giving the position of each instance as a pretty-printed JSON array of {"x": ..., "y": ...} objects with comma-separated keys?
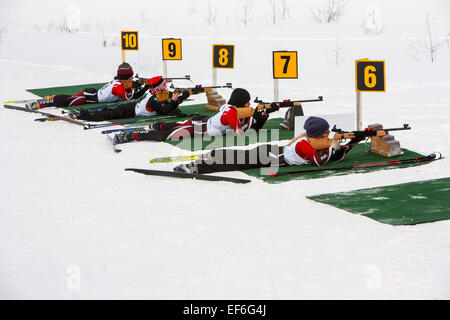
[
  {"x": 315, "y": 127},
  {"x": 124, "y": 72},
  {"x": 239, "y": 97}
]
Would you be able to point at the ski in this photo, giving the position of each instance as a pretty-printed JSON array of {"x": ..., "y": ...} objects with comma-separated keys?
[
  {"x": 45, "y": 119},
  {"x": 134, "y": 129},
  {"x": 47, "y": 114},
  {"x": 114, "y": 144},
  {"x": 184, "y": 175},
  {"x": 9, "y": 106},
  {"x": 431, "y": 157},
  {"x": 20, "y": 101},
  {"x": 190, "y": 157}
]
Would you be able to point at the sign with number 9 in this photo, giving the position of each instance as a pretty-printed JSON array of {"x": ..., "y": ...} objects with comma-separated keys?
[
  {"x": 171, "y": 49},
  {"x": 223, "y": 56},
  {"x": 370, "y": 75}
]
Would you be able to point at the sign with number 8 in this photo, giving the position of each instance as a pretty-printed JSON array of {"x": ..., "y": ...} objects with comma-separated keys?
[
  {"x": 171, "y": 49},
  {"x": 223, "y": 56},
  {"x": 370, "y": 75}
]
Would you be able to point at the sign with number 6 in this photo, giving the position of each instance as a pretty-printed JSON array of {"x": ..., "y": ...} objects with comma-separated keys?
[
  {"x": 370, "y": 75},
  {"x": 285, "y": 65},
  {"x": 171, "y": 49}
]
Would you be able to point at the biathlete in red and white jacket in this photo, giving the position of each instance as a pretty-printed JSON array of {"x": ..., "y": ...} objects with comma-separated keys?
[
  {"x": 226, "y": 120},
  {"x": 122, "y": 88},
  {"x": 298, "y": 152},
  {"x": 148, "y": 106}
]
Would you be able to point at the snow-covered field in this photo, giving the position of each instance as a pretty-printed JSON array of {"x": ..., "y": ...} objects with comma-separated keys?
[{"x": 75, "y": 225}]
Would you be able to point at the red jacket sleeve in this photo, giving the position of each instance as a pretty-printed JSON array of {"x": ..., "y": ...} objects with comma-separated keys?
[
  {"x": 306, "y": 151},
  {"x": 119, "y": 90},
  {"x": 230, "y": 117}
]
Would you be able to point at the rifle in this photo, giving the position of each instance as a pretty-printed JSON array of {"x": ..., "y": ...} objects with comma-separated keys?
[
  {"x": 247, "y": 112},
  {"x": 166, "y": 94},
  {"x": 324, "y": 143},
  {"x": 368, "y": 132},
  {"x": 145, "y": 80}
]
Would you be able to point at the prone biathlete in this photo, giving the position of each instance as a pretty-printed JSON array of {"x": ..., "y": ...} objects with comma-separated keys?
[
  {"x": 149, "y": 106},
  {"x": 122, "y": 88},
  {"x": 298, "y": 151},
  {"x": 225, "y": 120}
]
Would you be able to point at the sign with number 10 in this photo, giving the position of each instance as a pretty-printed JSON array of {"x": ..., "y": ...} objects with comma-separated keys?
[
  {"x": 129, "y": 40},
  {"x": 171, "y": 49},
  {"x": 285, "y": 65}
]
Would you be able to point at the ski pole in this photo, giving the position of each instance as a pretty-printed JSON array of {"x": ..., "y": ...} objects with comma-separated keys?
[
  {"x": 102, "y": 125},
  {"x": 104, "y": 106},
  {"x": 431, "y": 157}
]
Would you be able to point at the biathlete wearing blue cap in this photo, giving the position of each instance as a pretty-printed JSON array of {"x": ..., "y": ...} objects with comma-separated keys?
[{"x": 298, "y": 151}]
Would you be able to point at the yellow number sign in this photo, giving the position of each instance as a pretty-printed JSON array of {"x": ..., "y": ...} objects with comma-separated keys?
[
  {"x": 370, "y": 75},
  {"x": 285, "y": 65},
  {"x": 171, "y": 49},
  {"x": 130, "y": 40},
  {"x": 223, "y": 56}
]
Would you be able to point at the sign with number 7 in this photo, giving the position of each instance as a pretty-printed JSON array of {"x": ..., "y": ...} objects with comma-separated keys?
[{"x": 285, "y": 65}]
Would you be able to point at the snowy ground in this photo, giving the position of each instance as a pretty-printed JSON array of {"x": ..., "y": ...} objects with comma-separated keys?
[{"x": 75, "y": 225}]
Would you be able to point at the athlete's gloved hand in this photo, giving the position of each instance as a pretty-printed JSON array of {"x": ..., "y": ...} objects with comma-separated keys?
[
  {"x": 185, "y": 95},
  {"x": 273, "y": 107}
]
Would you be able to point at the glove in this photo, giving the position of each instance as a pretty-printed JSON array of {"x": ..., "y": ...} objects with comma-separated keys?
[
  {"x": 137, "y": 84},
  {"x": 273, "y": 107},
  {"x": 336, "y": 145},
  {"x": 185, "y": 95}
]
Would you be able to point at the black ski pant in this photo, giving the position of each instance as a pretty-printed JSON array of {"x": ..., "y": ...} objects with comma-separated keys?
[
  {"x": 176, "y": 130},
  {"x": 265, "y": 155},
  {"x": 126, "y": 110}
]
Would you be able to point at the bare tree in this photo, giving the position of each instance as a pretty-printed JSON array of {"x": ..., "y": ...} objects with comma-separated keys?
[
  {"x": 337, "y": 54},
  {"x": 372, "y": 24},
  {"x": 210, "y": 15},
  {"x": 2, "y": 32},
  {"x": 274, "y": 12},
  {"x": 330, "y": 12},
  {"x": 285, "y": 7},
  {"x": 278, "y": 11},
  {"x": 245, "y": 12},
  {"x": 429, "y": 45}
]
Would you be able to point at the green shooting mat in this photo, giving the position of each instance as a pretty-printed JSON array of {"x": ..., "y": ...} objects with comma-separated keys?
[
  {"x": 401, "y": 204},
  {"x": 358, "y": 155},
  {"x": 70, "y": 90}
]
